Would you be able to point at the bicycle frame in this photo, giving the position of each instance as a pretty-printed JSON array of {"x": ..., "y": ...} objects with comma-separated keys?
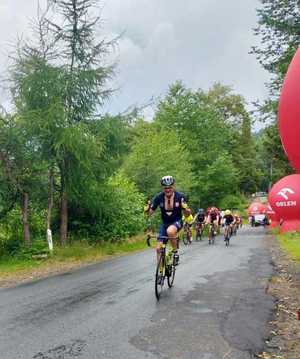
[
  {"x": 199, "y": 230},
  {"x": 163, "y": 269},
  {"x": 211, "y": 233}
]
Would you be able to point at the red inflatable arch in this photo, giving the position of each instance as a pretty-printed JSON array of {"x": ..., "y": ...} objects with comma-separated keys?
[
  {"x": 256, "y": 208},
  {"x": 289, "y": 112},
  {"x": 275, "y": 220},
  {"x": 284, "y": 198}
]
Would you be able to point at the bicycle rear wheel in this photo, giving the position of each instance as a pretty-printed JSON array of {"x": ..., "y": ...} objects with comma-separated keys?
[{"x": 160, "y": 276}]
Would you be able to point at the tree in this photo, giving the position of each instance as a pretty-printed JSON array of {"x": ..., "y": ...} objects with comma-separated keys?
[
  {"x": 62, "y": 80},
  {"x": 279, "y": 30},
  {"x": 21, "y": 165},
  {"x": 84, "y": 75},
  {"x": 155, "y": 155},
  {"x": 271, "y": 157},
  {"x": 219, "y": 180},
  {"x": 210, "y": 124}
]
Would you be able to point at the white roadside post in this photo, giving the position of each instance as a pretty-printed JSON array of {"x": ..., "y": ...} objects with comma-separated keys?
[{"x": 49, "y": 239}]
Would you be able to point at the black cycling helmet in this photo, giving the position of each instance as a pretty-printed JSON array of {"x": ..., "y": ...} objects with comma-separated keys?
[{"x": 167, "y": 181}]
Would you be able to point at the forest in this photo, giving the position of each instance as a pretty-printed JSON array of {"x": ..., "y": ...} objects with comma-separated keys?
[{"x": 68, "y": 167}]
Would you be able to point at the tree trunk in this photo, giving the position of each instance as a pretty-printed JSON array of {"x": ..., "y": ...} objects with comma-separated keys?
[
  {"x": 50, "y": 198},
  {"x": 63, "y": 217},
  {"x": 24, "y": 205}
]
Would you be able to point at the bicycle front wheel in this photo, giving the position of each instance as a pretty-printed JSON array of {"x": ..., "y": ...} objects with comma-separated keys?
[
  {"x": 171, "y": 275},
  {"x": 186, "y": 239},
  {"x": 160, "y": 276}
]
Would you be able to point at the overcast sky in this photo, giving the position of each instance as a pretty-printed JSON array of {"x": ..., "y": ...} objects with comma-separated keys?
[{"x": 196, "y": 41}]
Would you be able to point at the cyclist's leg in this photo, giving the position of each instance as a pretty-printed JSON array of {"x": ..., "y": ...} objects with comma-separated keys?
[
  {"x": 226, "y": 232},
  {"x": 215, "y": 227},
  {"x": 162, "y": 233},
  {"x": 190, "y": 232},
  {"x": 210, "y": 228},
  {"x": 172, "y": 232}
]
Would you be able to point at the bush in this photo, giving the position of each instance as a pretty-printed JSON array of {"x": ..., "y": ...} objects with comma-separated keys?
[
  {"x": 232, "y": 201},
  {"x": 11, "y": 232}
]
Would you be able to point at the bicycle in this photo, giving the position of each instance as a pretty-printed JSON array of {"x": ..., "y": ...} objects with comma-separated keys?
[
  {"x": 199, "y": 231},
  {"x": 234, "y": 229},
  {"x": 211, "y": 233},
  {"x": 227, "y": 234},
  {"x": 166, "y": 265},
  {"x": 187, "y": 234}
]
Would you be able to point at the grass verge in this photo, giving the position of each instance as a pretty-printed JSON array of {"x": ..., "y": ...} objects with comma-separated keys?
[
  {"x": 290, "y": 242},
  {"x": 66, "y": 258}
]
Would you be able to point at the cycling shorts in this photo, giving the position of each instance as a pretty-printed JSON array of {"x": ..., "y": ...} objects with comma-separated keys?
[{"x": 163, "y": 229}]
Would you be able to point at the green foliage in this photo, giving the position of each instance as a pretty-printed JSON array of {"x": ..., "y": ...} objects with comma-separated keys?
[
  {"x": 271, "y": 158},
  {"x": 123, "y": 215},
  {"x": 220, "y": 179},
  {"x": 291, "y": 243},
  {"x": 278, "y": 28},
  {"x": 231, "y": 201},
  {"x": 11, "y": 233},
  {"x": 154, "y": 155},
  {"x": 209, "y": 124},
  {"x": 110, "y": 210}
]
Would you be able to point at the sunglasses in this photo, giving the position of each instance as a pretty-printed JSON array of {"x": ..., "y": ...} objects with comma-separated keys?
[{"x": 168, "y": 188}]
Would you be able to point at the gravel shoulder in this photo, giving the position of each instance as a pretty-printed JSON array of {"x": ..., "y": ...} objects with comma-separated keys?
[{"x": 284, "y": 286}]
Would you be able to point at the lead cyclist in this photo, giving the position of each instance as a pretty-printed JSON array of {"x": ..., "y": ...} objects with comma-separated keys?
[{"x": 172, "y": 206}]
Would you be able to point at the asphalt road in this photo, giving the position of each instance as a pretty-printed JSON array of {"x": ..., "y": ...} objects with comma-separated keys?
[{"x": 217, "y": 309}]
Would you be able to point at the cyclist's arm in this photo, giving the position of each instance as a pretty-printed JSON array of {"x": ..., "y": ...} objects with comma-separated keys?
[{"x": 185, "y": 208}]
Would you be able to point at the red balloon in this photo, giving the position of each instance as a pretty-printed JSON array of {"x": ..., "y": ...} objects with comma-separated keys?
[
  {"x": 256, "y": 208},
  {"x": 284, "y": 198},
  {"x": 275, "y": 220},
  {"x": 289, "y": 112}
]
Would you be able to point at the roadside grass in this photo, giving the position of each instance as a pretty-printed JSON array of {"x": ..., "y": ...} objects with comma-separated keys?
[
  {"x": 74, "y": 254},
  {"x": 290, "y": 242}
]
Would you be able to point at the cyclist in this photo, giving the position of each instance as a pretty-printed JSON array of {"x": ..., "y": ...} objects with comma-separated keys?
[
  {"x": 199, "y": 220},
  {"x": 172, "y": 205},
  {"x": 187, "y": 223},
  {"x": 228, "y": 221},
  {"x": 237, "y": 222},
  {"x": 212, "y": 217}
]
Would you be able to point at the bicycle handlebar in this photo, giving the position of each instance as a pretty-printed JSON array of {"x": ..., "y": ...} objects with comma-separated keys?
[{"x": 149, "y": 236}]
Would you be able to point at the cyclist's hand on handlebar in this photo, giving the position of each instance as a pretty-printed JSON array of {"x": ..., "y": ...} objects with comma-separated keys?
[{"x": 184, "y": 204}]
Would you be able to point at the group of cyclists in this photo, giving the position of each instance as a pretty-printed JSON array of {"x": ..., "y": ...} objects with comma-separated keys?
[
  {"x": 175, "y": 214},
  {"x": 214, "y": 219}
]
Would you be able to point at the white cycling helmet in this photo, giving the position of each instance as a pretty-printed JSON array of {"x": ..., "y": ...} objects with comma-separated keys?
[{"x": 167, "y": 181}]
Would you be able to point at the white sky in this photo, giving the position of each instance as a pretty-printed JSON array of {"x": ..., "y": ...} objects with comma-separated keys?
[{"x": 197, "y": 41}]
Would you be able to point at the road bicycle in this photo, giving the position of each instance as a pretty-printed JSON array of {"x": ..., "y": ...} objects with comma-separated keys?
[
  {"x": 227, "y": 234},
  {"x": 211, "y": 233},
  {"x": 166, "y": 265},
  {"x": 187, "y": 234},
  {"x": 234, "y": 229},
  {"x": 199, "y": 231}
]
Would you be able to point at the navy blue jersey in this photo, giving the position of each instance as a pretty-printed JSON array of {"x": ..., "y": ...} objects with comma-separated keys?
[
  {"x": 228, "y": 219},
  {"x": 200, "y": 217},
  {"x": 169, "y": 216}
]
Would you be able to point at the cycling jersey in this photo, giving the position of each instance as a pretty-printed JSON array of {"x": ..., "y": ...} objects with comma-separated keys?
[
  {"x": 200, "y": 218},
  {"x": 228, "y": 219},
  {"x": 189, "y": 220},
  {"x": 213, "y": 213},
  {"x": 173, "y": 215}
]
